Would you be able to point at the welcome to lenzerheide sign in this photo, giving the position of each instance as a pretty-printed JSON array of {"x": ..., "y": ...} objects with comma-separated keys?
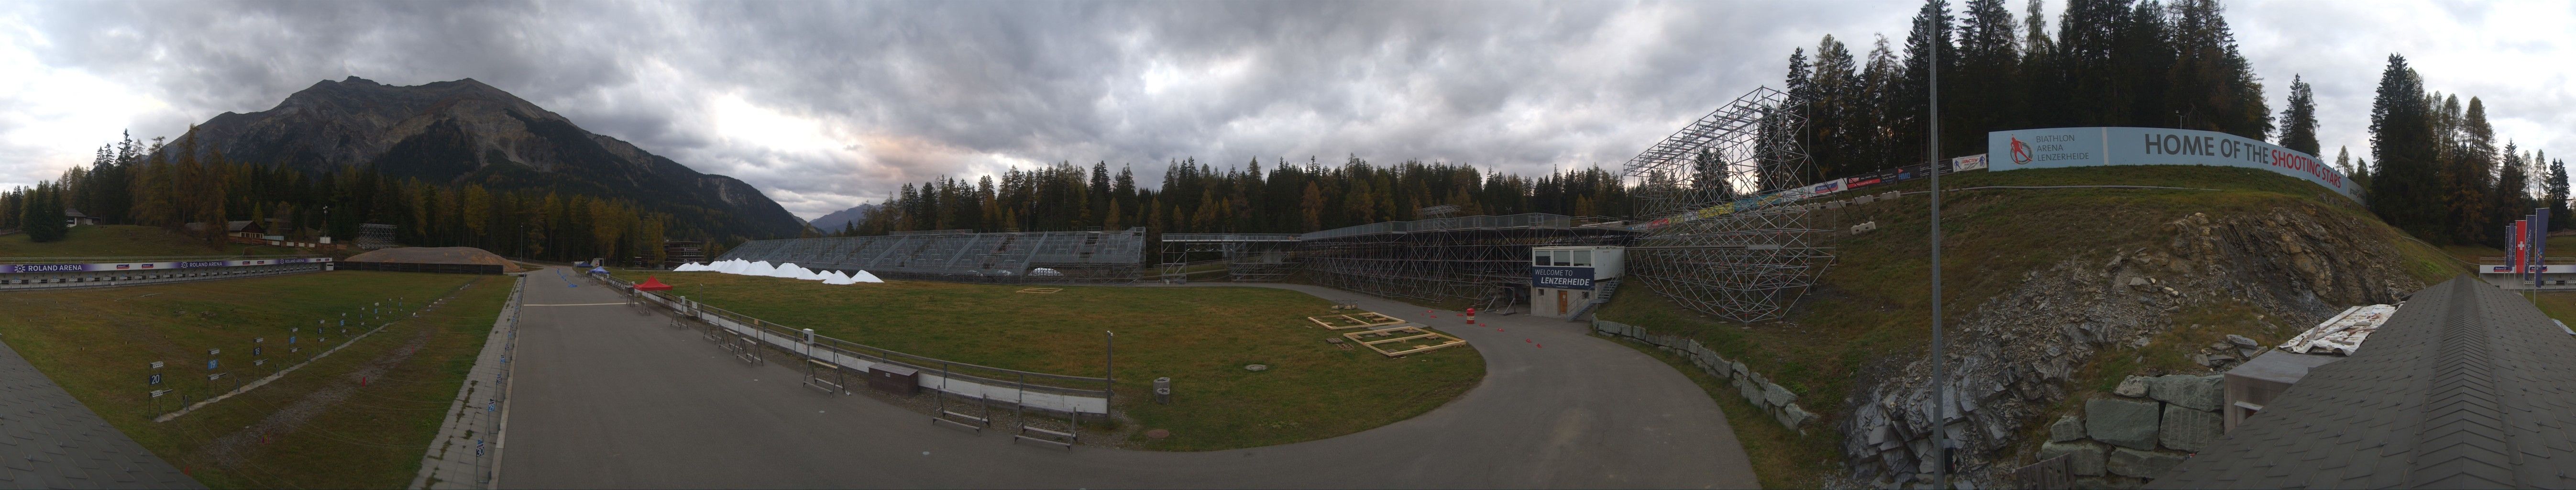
[{"x": 2093, "y": 147}]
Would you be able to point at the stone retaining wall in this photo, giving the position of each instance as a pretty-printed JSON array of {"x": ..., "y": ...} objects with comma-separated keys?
[
  {"x": 2149, "y": 425},
  {"x": 1753, "y": 387}
]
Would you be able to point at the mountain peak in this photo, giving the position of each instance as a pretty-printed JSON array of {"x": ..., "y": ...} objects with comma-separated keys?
[{"x": 464, "y": 131}]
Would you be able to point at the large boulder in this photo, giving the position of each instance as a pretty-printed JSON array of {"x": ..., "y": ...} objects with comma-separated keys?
[
  {"x": 1752, "y": 392},
  {"x": 2129, "y": 424},
  {"x": 2083, "y": 458},
  {"x": 1791, "y": 416},
  {"x": 2142, "y": 464},
  {"x": 2133, "y": 387},
  {"x": 1776, "y": 396},
  {"x": 2195, "y": 392},
  {"x": 2186, "y": 429},
  {"x": 2067, "y": 428}
]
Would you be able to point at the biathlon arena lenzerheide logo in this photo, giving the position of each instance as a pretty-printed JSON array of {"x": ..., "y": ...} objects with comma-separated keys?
[{"x": 2020, "y": 151}]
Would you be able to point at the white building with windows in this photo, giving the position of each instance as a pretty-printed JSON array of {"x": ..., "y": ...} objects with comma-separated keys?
[{"x": 1565, "y": 279}]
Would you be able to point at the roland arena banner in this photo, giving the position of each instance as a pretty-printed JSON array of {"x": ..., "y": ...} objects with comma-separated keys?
[
  {"x": 2093, "y": 147},
  {"x": 150, "y": 266}
]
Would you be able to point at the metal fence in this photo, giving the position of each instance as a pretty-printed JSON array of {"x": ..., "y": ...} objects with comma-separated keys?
[{"x": 1043, "y": 391}]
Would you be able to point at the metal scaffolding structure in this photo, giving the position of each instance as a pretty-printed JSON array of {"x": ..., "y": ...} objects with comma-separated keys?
[
  {"x": 1248, "y": 257},
  {"x": 1722, "y": 237},
  {"x": 374, "y": 236},
  {"x": 1484, "y": 260},
  {"x": 965, "y": 256}
]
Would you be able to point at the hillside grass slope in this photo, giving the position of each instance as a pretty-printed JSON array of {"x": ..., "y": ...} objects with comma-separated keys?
[
  {"x": 1874, "y": 303},
  {"x": 126, "y": 241}
]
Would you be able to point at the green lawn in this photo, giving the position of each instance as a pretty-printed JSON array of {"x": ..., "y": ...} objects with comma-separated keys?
[
  {"x": 97, "y": 343},
  {"x": 126, "y": 241},
  {"x": 1871, "y": 304},
  {"x": 1200, "y": 337}
]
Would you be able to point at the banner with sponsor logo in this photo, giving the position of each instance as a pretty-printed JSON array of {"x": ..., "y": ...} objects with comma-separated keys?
[
  {"x": 138, "y": 266},
  {"x": 2092, "y": 147},
  {"x": 1561, "y": 277}
]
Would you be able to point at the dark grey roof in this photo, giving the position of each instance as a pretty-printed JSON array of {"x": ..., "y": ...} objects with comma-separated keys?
[
  {"x": 49, "y": 440},
  {"x": 2467, "y": 386}
]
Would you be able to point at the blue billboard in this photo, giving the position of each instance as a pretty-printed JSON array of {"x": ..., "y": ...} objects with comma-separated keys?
[
  {"x": 2092, "y": 147},
  {"x": 1561, "y": 277}
]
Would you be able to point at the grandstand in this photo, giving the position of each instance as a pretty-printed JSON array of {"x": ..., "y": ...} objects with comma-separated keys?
[
  {"x": 966, "y": 256},
  {"x": 1483, "y": 260}
]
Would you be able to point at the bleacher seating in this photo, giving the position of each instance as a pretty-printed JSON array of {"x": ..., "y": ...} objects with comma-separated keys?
[{"x": 954, "y": 255}]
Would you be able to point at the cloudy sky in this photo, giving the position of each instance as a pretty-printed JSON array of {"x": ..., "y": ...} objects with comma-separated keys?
[{"x": 826, "y": 105}]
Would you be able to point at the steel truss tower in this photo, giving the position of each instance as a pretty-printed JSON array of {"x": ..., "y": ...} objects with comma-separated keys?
[{"x": 1722, "y": 235}]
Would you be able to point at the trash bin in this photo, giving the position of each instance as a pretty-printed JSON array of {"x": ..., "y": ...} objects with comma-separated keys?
[{"x": 1163, "y": 390}]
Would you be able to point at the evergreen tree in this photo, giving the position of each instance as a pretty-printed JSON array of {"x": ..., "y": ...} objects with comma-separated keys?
[
  {"x": 2406, "y": 188},
  {"x": 2299, "y": 121},
  {"x": 1928, "y": 35}
]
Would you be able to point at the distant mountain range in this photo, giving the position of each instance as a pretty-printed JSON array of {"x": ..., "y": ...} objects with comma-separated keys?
[
  {"x": 833, "y": 222},
  {"x": 460, "y": 132}
]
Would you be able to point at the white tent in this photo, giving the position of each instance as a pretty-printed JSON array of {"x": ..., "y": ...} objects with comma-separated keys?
[{"x": 864, "y": 276}]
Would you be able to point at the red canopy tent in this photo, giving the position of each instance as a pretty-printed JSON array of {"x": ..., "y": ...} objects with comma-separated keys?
[{"x": 652, "y": 284}]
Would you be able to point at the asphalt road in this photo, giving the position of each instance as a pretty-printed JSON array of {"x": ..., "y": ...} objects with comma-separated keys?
[{"x": 611, "y": 396}]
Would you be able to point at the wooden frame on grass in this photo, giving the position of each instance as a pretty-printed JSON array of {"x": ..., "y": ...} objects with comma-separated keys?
[
  {"x": 1404, "y": 335},
  {"x": 1357, "y": 320}
]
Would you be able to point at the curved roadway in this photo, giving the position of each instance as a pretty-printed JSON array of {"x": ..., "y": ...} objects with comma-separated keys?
[{"x": 608, "y": 396}]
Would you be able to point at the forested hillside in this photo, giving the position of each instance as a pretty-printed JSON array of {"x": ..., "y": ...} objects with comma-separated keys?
[
  {"x": 133, "y": 183},
  {"x": 1281, "y": 197}
]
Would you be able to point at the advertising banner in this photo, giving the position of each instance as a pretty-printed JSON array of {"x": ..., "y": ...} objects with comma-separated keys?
[
  {"x": 2092, "y": 147},
  {"x": 143, "y": 266},
  {"x": 1968, "y": 163},
  {"x": 1828, "y": 187},
  {"x": 48, "y": 267},
  {"x": 1561, "y": 277}
]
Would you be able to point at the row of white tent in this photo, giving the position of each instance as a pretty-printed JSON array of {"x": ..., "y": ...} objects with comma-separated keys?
[{"x": 787, "y": 270}]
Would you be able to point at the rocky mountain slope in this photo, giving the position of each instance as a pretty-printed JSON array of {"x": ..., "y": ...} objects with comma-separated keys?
[
  {"x": 463, "y": 131},
  {"x": 833, "y": 222}
]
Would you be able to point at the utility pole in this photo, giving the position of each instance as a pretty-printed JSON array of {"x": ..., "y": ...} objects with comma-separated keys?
[{"x": 1932, "y": 158}]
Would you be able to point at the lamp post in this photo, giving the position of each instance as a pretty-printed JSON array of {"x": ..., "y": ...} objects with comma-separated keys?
[{"x": 1932, "y": 158}]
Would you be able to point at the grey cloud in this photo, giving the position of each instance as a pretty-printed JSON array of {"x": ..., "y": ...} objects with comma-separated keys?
[{"x": 932, "y": 88}]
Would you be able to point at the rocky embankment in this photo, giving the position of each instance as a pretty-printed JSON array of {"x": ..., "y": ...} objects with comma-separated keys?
[{"x": 2011, "y": 358}]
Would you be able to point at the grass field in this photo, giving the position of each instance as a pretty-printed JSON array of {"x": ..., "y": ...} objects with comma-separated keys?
[
  {"x": 316, "y": 427},
  {"x": 1200, "y": 337},
  {"x": 126, "y": 241},
  {"x": 1872, "y": 303}
]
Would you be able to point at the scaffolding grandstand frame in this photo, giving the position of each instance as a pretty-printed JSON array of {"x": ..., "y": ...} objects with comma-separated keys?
[
  {"x": 965, "y": 256},
  {"x": 1248, "y": 257},
  {"x": 1483, "y": 260},
  {"x": 1723, "y": 238}
]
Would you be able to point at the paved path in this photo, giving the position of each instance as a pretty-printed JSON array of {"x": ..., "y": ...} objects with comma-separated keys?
[
  {"x": 49, "y": 440},
  {"x": 610, "y": 396}
]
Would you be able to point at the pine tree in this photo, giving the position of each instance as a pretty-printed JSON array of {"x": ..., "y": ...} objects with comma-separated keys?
[
  {"x": 2299, "y": 121},
  {"x": 2406, "y": 186}
]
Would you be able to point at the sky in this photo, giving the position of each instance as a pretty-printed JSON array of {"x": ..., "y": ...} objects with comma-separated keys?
[{"x": 827, "y": 105}]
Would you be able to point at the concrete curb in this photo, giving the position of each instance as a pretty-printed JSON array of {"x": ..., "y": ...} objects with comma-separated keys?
[{"x": 458, "y": 458}]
